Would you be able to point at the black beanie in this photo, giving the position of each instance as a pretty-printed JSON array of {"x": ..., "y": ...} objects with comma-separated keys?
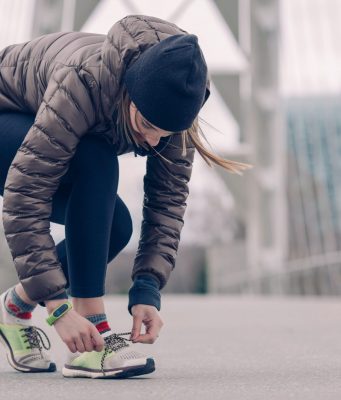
[{"x": 167, "y": 82}]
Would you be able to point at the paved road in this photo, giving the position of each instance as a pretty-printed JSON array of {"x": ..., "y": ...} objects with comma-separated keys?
[{"x": 212, "y": 347}]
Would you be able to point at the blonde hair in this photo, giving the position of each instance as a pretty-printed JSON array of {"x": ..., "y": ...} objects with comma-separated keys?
[{"x": 123, "y": 104}]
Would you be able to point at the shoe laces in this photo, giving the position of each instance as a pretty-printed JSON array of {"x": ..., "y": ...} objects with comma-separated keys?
[
  {"x": 34, "y": 338},
  {"x": 114, "y": 342}
]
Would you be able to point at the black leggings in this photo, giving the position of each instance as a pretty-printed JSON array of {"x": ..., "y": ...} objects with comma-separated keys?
[{"x": 97, "y": 223}]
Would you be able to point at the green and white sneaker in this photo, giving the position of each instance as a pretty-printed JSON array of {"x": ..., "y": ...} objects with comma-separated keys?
[
  {"x": 23, "y": 343},
  {"x": 116, "y": 360}
]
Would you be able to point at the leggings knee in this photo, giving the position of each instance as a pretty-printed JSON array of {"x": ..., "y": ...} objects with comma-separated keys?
[
  {"x": 128, "y": 231},
  {"x": 122, "y": 229}
]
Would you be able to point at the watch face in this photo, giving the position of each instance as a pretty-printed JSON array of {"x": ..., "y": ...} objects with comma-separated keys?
[{"x": 60, "y": 310}]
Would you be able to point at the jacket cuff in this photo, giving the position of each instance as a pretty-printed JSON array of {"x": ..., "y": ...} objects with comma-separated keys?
[
  {"x": 145, "y": 290},
  {"x": 62, "y": 295}
]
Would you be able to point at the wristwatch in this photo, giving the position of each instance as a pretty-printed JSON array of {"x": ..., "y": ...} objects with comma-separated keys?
[{"x": 58, "y": 312}]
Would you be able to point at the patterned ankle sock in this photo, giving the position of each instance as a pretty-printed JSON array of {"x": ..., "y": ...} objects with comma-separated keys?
[
  {"x": 100, "y": 321},
  {"x": 17, "y": 307}
]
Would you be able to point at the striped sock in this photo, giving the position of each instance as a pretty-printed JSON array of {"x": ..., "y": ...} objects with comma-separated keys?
[
  {"x": 17, "y": 307},
  {"x": 101, "y": 323}
]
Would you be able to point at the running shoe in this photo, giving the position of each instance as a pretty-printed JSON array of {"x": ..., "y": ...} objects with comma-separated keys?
[
  {"x": 23, "y": 343},
  {"x": 116, "y": 360}
]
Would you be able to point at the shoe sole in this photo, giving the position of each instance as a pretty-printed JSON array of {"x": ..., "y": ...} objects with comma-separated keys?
[
  {"x": 70, "y": 371},
  {"x": 10, "y": 356}
]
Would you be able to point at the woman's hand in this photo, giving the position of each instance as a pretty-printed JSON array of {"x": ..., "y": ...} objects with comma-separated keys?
[
  {"x": 77, "y": 332},
  {"x": 150, "y": 317}
]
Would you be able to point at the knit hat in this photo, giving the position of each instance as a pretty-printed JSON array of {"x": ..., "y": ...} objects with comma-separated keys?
[{"x": 167, "y": 82}]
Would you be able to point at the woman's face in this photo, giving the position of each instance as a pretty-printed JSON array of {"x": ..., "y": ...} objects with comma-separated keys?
[{"x": 149, "y": 132}]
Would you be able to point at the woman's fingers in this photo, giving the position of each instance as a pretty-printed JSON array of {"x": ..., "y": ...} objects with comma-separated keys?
[
  {"x": 72, "y": 346},
  {"x": 137, "y": 323},
  {"x": 79, "y": 344},
  {"x": 97, "y": 339},
  {"x": 87, "y": 341},
  {"x": 151, "y": 334}
]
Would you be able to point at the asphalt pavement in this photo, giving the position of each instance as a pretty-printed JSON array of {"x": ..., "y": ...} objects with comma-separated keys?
[{"x": 210, "y": 347}]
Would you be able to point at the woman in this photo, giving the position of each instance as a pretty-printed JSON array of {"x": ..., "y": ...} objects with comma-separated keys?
[{"x": 70, "y": 104}]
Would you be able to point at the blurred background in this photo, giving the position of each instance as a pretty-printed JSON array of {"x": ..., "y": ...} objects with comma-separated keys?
[{"x": 275, "y": 103}]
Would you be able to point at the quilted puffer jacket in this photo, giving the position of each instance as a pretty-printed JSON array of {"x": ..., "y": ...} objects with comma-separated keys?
[{"x": 70, "y": 81}]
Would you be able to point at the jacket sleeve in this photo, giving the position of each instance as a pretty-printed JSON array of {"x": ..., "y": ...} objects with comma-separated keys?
[
  {"x": 165, "y": 193},
  {"x": 64, "y": 116}
]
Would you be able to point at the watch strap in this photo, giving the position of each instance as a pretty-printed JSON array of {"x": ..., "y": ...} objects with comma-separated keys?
[{"x": 59, "y": 312}]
